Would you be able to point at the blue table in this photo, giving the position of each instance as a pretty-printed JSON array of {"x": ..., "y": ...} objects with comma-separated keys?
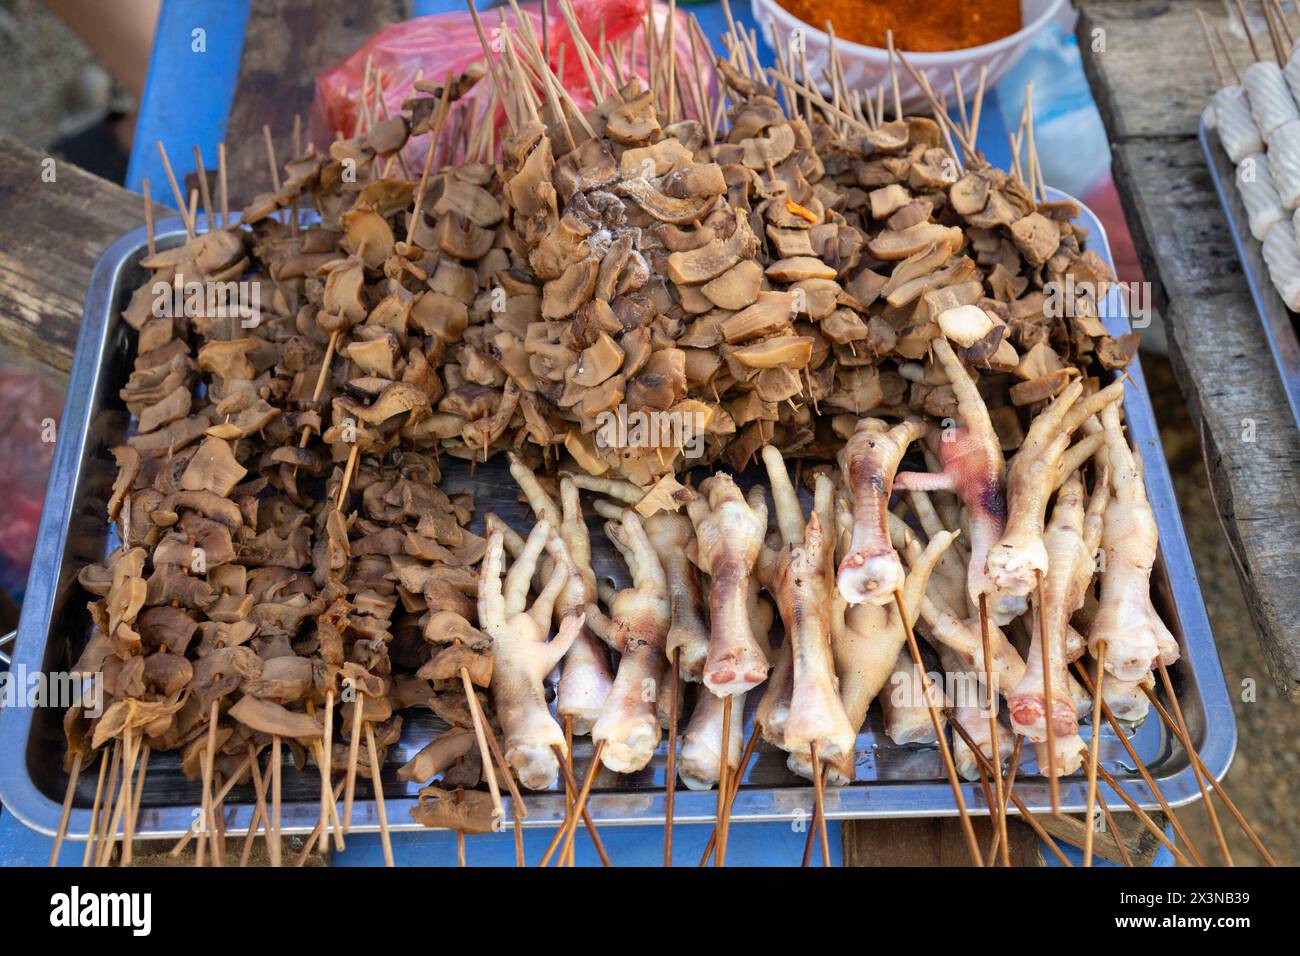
[{"x": 191, "y": 87}]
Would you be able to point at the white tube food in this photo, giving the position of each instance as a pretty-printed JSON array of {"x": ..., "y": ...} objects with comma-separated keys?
[
  {"x": 1236, "y": 127},
  {"x": 1291, "y": 73},
  {"x": 1283, "y": 258},
  {"x": 1258, "y": 194},
  {"x": 1271, "y": 104},
  {"x": 1284, "y": 162}
]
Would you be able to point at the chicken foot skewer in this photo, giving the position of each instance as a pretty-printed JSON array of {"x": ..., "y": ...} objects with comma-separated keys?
[
  {"x": 1014, "y": 563},
  {"x": 729, "y": 533},
  {"x": 1065, "y": 543},
  {"x": 586, "y": 677},
  {"x": 974, "y": 469},
  {"x": 628, "y": 728},
  {"x": 672, "y": 536},
  {"x": 522, "y": 654},
  {"x": 803, "y": 586},
  {"x": 1126, "y": 621},
  {"x": 871, "y": 571}
]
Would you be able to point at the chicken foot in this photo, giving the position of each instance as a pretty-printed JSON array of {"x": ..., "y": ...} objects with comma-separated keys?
[
  {"x": 1126, "y": 620},
  {"x": 586, "y": 677},
  {"x": 729, "y": 531},
  {"x": 871, "y": 571},
  {"x": 637, "y": 628},
  {"x": 1019, "y": 558},
  {"x": 522, "y": 654}
]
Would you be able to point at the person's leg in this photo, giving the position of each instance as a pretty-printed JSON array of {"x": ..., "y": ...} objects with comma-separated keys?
[{"x": 120, "y": 34}]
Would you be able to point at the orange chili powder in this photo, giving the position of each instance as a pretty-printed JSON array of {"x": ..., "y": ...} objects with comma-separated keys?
[{"x": 923, "y": 27}]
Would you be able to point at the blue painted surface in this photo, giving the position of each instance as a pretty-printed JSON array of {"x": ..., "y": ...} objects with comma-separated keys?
[
  {"x": 755, "y": 844},
  {"x": 187, "y": 101}
]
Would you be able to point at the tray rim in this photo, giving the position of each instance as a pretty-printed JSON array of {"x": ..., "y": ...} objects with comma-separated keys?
[{"x": 896, "y": 799}]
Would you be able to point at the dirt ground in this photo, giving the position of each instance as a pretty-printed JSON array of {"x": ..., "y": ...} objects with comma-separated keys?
[{"x": 1264, "y": 775}]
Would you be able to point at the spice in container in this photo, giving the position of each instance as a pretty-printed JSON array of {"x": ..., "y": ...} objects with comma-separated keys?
[{"x": 918, "y": 27}]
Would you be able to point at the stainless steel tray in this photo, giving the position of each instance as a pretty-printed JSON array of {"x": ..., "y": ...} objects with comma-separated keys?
[
  {"x": 1279, "y": 322},
  {"x": 893, "y": 781}
]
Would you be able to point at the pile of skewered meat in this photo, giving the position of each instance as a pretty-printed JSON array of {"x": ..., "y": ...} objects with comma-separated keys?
[{"x": 807, "y": 279}]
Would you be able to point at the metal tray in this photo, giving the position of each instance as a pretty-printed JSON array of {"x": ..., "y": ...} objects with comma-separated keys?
[
  {"x": 893, "y": 781},
  {"x": 1279, "y": 322}
]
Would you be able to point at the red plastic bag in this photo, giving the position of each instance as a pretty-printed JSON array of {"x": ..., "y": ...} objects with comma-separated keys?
[{"x": 447, "y": 42}]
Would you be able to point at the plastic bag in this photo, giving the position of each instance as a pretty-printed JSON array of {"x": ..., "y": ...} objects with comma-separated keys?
[{"x": 435, "y": 45}]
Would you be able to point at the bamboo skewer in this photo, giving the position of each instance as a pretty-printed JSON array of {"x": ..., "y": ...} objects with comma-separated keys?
[
  {"x": 378, "y": 786},
  {"x": 735, "y": 787},
  {"x": 73, "y": 774},
  {"x": 209, "y": 755},
  {"x": 274, "y": 829},
  {"x": 670, "y": 771},
  {"x": 354, "y": 752},
  {"x": 1141, "y": 766},
  {"x": 1184, "y": 738},
  {"x": 107, "y": 810},
  {"x": 570, "y": 827},
  {"x": 566, "y": 768},
  {"x": 819, "y": 798},
  {"x": 1005, "y": 796},
  {"x": 1025, "y": 815},
  {"x": 1053, "y": 785},
  {"x": 176, "y": 190},
  {"x": 202, "y": 175},
  {"x": 133, "y": 807},
  {"x": 223, "y": 187},
  {"x": 724, "y": 759},
  {"x": 305, "y": 852},
  {"x": 481, "y": 733},
  {"x": 1143, "y": 818},
  {"x": 260, "y": 814},
  {"x": 1245, "y": 28},
  {"x": 1001, "y": 821},
  {"x": 130, "y": 751},
  {"x": 1218, "y": 787},
  {"x": 1094, "y": 749},
  {"x": 949, "y": 767},
  {"x": 95, "y": 811},
  {"x": 148, "y": 219}
]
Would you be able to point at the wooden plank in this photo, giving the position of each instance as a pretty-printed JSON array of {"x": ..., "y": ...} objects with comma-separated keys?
[
  {"x": 1216, "y": 339},
  {"x": 1151, "y": 75},
  {"x": 51, "y": 235},
  {"x": 930, "y": 841},
  {"x": 1140, "y": 842},
  {"x": 287, "y": 43}
]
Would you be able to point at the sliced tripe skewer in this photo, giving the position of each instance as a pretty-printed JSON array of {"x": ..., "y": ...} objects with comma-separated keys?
[{"x": 1254, "y": 180}]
